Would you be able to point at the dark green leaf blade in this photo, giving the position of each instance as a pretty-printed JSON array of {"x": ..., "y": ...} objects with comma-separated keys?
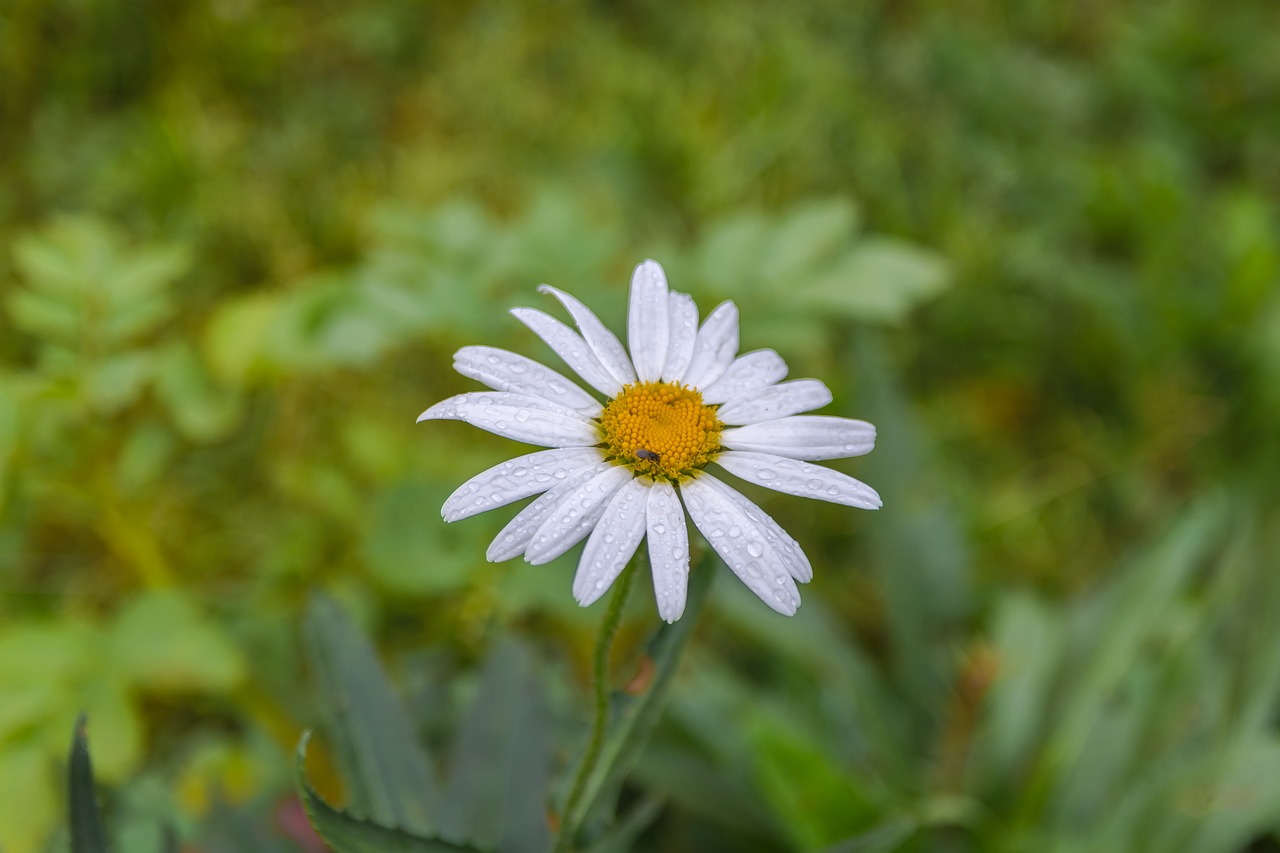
[
  {"x": 884, "y": 838},
  {"x": 346, "y": 833},
  {"x": 389, "y": 774},
  {"x": 87, "y": 835},
  {"x": 497, "y": 794}
]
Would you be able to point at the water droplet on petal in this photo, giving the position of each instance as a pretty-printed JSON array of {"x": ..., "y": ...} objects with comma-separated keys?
[{"x": 754, "y": 549}]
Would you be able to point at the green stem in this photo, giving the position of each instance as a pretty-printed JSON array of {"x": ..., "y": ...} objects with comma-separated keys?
[{"x": 600, "y": 676}]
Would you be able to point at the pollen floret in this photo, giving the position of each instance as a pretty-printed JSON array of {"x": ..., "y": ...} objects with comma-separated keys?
[{"x": 660, "y": 429}]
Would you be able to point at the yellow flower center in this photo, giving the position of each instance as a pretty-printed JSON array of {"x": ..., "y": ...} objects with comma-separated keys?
[{"x": 660, "y": 429}]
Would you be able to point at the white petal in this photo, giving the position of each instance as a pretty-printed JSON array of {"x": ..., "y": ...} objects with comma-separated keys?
[
  {"x": 516, "y": 479},
  {"x": 682, "y": 312},
  {"x": 507, "y": 371},
  {"x": 776, "y": 401},
  {"x": 513, "y": 539},
  {"x": 604, "y": 343},
  {"x": 612, "y": 542},
  {"x": 788, "y": 549},
  {"x": 516, "y": 416},
  {"x": 803, "y": 479},
  {"x": 742, "y": 543},
  {"x": 812, "y": 437},
  {"x": 647, "y": 325},
  {"x": 668, "y": 550},
  {"x": 570, "y": 346},
  {"x": 715, "y": 348},
  {"x": 746, "y": 375},
  {"x": 575, "y": 515}
]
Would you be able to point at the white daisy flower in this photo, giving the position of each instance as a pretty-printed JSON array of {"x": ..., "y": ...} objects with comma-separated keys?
[{"x": 617, "y": 472}]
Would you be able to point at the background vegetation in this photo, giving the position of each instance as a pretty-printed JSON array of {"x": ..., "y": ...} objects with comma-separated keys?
[{"x": 1037, "y": 243}]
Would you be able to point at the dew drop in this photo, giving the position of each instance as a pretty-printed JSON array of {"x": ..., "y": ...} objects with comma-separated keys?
[
  {"x": 659, "y": 528},
  {"x": 522, "y": 415},
  {"x": 677, "y": 553},
  {"x": 754, "y": 549},
  {"x": 493, "y": 359},
  {"x": 735, "y": 531}
]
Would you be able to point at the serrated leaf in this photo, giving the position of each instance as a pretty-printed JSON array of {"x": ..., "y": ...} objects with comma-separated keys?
[
  {"x": 497, "y": 793},
  {"x": 389, "y": 775},
  {"x": 87, "y": 834},
  {"x": 346, "y": 833},
  {"x": 635, "y": 717},
  {"x": 879, "y": 280}
]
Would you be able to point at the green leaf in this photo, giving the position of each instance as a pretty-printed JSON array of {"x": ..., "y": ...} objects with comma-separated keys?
[
  {"x": 497, "y": 793},
  {"x": 201, "y": 410},
  {"x": 161, "y": 641},
  {"x": 884, "y": 838},
  {"x": 388, "y": 774},
  {"x": 235, "y": 340},
  {"x": 31, "y": 794},
  {"x": 87, "y": 835},
  {"x": 880, "y": 280},
  {"x": 622, "y": 837},
  {"x": 635, "y": 717},
  {"x": 117, "y": 381},
  {"x": 348, "y": 834},
  {"x": 806, "y": 240},
  {"x": 44, "y": 316}
]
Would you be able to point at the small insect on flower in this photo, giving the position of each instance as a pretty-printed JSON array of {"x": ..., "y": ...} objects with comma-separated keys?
[{"x": 648, "y": 455}]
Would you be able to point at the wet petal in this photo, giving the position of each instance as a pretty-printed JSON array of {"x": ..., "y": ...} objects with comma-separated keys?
[
  {"x": 604, "y": 343},
  {"x": 516, "y": 479},
  {"x": 715, "y": 347},
  {"x": 521, "y": 417},
  {"x": 575, "y": 515},
  {"x": 508, "y": 371},
  {"x": 812, "y": 437},
  {"x": 668, "y": 537},
  {"x": 513, "y": 539},
  {"x": 776, "y": 401},
  {"x": 612, "y": 542},
  {"x": 788, "y": 549},
  {"x": 742, "y": 543},
  {"x": 803, "y": 479},
  {"x": 682, "y": 312},
  {"x": 570, "y": 346},
  {"x": 648, "y": 328},
  {"x": 748, "y": 374}
]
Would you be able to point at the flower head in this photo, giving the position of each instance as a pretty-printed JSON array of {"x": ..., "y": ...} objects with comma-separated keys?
[{"x": 618, "y": 472}]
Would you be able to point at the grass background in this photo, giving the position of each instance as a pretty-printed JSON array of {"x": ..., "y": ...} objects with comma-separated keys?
[{"x": 1036, "y": 243}]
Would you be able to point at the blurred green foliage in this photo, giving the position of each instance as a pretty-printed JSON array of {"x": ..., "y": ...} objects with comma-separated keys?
[{"x": 1037, "y": 244}]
